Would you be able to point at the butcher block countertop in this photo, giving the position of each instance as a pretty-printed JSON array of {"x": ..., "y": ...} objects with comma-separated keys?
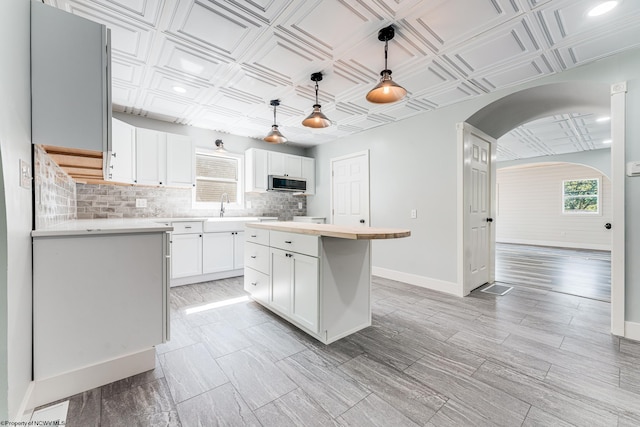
[{"x": 330, "y": 230}]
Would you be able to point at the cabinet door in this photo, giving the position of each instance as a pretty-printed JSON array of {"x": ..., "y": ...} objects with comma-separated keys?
[
  {"x": 238, "y": 250},
  {"x": 309, "y": 173},
  {"x": 292, "y": 165},
  {"x": 304, "y": 307},
  {"x": 256, "y": 170},
  {"x": 122, "y": 160},
  {"x": 150, "y": 157},
  {"x": 217, "y": 252},
  {"x": 180, "y": 161},
  {"x": 70, "y": 80},
  {"x": 186, "y": 255},
  {"x": 281, "y": 276},
  {"x": 275, "y": 164}
]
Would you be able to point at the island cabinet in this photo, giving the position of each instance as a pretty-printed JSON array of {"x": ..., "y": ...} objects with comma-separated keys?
[{"x": 316, "y": 276}]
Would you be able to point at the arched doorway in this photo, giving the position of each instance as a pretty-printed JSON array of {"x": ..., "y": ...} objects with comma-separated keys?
[{"x": 499, "y": 117}]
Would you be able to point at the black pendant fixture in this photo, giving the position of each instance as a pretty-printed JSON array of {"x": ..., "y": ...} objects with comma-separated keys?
[
  {"x": 275, "y": 137},
  {"x": 316, "y": 119},
  {"x": 386, "y": 91}
]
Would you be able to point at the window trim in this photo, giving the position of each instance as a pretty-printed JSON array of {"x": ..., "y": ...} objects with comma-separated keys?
[
  {"x": 598, "y": 197},
  {"x": 239, "y": 204}
]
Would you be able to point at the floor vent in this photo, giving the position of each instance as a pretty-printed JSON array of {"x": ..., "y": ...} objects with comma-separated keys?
[{"x": 497, "y": 289}]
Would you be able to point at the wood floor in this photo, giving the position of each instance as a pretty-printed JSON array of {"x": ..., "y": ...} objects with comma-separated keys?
[
  {"x": 580, "y": 272},
  {"x": 528, "y": 358}
]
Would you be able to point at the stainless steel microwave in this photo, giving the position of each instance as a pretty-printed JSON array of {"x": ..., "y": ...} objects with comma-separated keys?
[{"x": 286, "y": 183}]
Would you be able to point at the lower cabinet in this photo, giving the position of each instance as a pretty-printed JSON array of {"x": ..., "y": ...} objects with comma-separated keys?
[
  {"x": 97, "y": 298},
  {"x": 186, "y": 257},
  {"x": 222, "y": 251}
]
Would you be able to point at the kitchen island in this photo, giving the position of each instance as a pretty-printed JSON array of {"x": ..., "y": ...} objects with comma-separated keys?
[{"x": 316, "y": 276}]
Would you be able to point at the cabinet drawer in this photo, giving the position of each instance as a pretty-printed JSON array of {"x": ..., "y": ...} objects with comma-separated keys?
[
  {"x": 257, "y": 235},
  {"x": 257, "y": 257},
  {"x": 185, "y": 227},
  {"x": 294, "y": 242},
  {"x": 256, "y": 284}
]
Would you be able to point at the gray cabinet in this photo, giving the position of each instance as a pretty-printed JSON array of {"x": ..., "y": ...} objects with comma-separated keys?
[{"x": 70, "y": 80}]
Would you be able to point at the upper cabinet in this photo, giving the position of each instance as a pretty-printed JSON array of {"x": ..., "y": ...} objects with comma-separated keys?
[
  {"x": 282, "y": 164},
  {"x": 163, "y": 159},
  {"x": 180, "y": 161},
  {"x": 259, "y": 164},
  {"x": 151, "y": 157},
  {"x": 70, "y": 80},
  {"x": 122, "y": 161}
]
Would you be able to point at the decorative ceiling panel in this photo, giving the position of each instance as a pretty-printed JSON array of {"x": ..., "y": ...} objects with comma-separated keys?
[{"x": 232, "y": 57}]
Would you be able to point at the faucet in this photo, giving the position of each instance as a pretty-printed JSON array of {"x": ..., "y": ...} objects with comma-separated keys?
[{"x": 224, "y": 195}]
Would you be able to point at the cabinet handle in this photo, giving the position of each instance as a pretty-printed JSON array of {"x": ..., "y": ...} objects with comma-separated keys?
[
  {"x": 113, "y": 154},
  {"x": 188, "y": 227},
  {"x": 289, "y": 255},
  {"x": 254, "y": 235},
  {"x": 253, "y": 256},
  {"x": 254, "y": 283},
  {"x": 288, "y": 241}
]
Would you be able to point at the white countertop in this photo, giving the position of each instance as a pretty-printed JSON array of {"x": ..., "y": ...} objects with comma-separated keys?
[{"x": 128, "y": 225}]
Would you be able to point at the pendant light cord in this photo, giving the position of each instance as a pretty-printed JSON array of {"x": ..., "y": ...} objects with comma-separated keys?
[
  {"x": 274, "y": 115},
  {"x": 316, "y": 93},
  {"x": 386, "y": 48}
]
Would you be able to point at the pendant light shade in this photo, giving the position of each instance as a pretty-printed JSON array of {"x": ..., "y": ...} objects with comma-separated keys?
[
  {"x": 386, "y": 91},
  {"x": 316, "y": 119},
  {"x": 275, "y": 137}
]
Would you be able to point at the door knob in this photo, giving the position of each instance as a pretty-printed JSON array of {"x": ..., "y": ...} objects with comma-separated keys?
[
  {"x": 489, "y": 219},
  {"x": 362, "y": 221},
  {"x": 608, "y": 226}
]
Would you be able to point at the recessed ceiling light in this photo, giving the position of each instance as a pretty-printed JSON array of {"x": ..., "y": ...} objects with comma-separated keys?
[
  {"x": 603, "y": 8},
  {"x": 179, "y": 89},
  {"x": 606, "y": 141},
  {"x": 603, "y": 119}
]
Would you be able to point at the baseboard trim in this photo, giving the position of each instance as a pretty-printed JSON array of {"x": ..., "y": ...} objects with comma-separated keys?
[
  {"x": 632, "y": 330},
  {"x": 421, "y": 281},
  {"x": 50, "y": 389},
  {"x": 591, "y": 246},
  {"x": 206, "y": 277},
  {"x": 25, "y": 410}
]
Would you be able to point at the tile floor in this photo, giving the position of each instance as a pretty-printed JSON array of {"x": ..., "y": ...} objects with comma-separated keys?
[{"x": 529, "y": 358}]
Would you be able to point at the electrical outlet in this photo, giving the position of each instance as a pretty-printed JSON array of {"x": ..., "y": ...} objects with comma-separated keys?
[
  {"x": 299, "y": 205},
  {"x": 413, "y": 214},
  {"x": 141, "y": 203},
  {"x": 248, "y": 204}
]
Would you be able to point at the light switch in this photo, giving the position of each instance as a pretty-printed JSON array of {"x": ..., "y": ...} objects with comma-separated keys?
[
  {"x": 248, "y": 204},
  {"x": 25, "y": 174},
  {"x": 299, "y": 205},
  {"x": 413, "y": 214}
]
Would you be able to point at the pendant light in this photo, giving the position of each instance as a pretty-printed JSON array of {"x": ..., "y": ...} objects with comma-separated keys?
[
  {"x": 220, "y": 146},
  {"x": 275, "y": 137},
  {"x": 316, "y": 119},
  {"x": 387, "y": 90}
]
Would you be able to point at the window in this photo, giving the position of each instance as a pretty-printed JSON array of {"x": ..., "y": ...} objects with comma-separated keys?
[
  {"x": 216, "y": 175},
  {"x": 581, "y": 196}
]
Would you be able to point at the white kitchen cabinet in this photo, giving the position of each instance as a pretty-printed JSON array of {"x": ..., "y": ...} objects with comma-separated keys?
[
  {"x": 282, "y": 164},
  {"x": 294, "y": 287},
  {"x": 122, "y": 162},
  {"x": 180, "y": 161},
  {"x": 151, "y": 157},
  {"x": 309, "y": 174},
  {"x": 97, "y": 298},
  {"x": 255, "y": 170},
  {"x": 70, "y": 80},
  {"x": 259, "y": 164},
  {"x": 222, "y": 251},
  {"x": 186, "y": 250}
]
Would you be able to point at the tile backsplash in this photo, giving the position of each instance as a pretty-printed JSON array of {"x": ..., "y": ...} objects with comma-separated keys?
[
  {"x": 55, "y": 191},
  {"x": 117, "y": 201}
]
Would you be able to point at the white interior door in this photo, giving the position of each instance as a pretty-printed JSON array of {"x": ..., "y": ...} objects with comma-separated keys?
[
  {"x": 350, "y": 190},
  {"x": 479, "y": 235}
]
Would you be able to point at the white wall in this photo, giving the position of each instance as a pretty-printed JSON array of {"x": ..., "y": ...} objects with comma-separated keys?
[
  {"x": 529, "y": 204},
  {"x": 598, "y": 159},
  {"x": 15, "y": 208},
  {"x": 414, "y": 164}
]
